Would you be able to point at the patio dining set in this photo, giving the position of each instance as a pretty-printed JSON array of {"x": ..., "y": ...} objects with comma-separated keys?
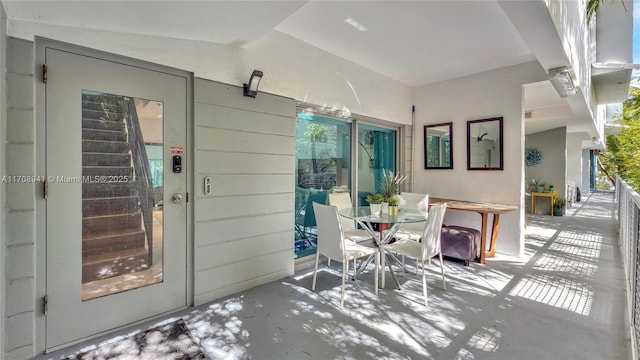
[{"x": 347, "y": 234}]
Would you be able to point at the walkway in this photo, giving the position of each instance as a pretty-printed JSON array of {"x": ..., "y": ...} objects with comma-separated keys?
[{"x": 564, "y": 300}]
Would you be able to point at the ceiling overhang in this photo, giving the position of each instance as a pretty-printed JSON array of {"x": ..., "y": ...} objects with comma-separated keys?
[{"x": 611, "y": 87}]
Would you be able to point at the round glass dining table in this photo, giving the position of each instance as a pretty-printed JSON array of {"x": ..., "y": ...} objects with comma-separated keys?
[{"x": 362, "y": 215}]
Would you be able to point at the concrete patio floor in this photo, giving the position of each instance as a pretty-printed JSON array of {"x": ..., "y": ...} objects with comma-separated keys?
[{"x": 565, "y": 299}]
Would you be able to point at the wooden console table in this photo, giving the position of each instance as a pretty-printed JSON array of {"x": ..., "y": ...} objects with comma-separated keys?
[
  {"x": 484, "y": 209},
  {"x": 535, "y": 195}
]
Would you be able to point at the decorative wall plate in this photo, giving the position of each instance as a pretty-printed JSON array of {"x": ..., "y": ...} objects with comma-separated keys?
[{"x": 532, "y": 156}]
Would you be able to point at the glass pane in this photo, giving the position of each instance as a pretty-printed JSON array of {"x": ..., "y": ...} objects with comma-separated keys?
[
  {"x": 376, "y": 154},
  {"x": 122, "y": 191},
  {"x": 323, "y": 162}
]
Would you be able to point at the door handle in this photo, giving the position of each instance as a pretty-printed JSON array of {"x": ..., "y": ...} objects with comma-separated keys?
[{"x": 176, "y": 198}]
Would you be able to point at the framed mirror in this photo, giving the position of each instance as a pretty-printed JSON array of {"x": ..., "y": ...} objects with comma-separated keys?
[
  {"x": 484, "y": 144},
  {"x": 438, "y": 149}
]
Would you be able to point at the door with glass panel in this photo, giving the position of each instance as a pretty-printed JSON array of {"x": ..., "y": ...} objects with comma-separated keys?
[
  {"x": 323, "y": 165},
  {"x": 376, "y": 154},
  {"x": 116, "y": 212}
]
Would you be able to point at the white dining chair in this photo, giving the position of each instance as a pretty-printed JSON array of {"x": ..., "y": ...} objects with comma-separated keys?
[
  {"x": 413, "y": 231},
  {"x": 342, "y": 200},
  {"x": 422, "y": 251},
  {"x": 418, "y": 202},
  {"x": 333, "y": 244}
]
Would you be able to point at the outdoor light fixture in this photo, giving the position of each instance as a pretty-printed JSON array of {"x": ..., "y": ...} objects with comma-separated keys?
[
  {"x": 563, "y": 82},
  {"x": 251, "y": 89}
]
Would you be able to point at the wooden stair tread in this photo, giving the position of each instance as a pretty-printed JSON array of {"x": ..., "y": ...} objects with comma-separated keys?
[
  {"x": 106, "y": 217},
  {"x": 113, "y": 234},
  {"x": 106, "y": 198},
  {"x": 104, "y": 167},
  {"x": 123, "y": 254},
  {"x": 103, "y": 153},
  {"x": 101, "y": 119}
]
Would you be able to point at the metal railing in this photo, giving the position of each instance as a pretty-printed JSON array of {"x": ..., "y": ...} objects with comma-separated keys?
[
  {"x": 142, "y": 170},
  {"x": 628, "y": 211}
]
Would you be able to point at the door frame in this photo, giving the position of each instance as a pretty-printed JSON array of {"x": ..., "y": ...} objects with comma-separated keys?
[{"x": 41, "y": 44}]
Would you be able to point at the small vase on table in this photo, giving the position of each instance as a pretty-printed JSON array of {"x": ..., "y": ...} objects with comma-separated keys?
[{"x": 393, "y": 210}]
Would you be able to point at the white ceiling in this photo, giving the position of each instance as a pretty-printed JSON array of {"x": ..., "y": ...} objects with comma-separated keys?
[{"x": 414, "y": 42}]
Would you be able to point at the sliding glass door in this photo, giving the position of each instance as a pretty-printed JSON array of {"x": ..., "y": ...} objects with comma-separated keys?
[{"x": 323, "y": 165}]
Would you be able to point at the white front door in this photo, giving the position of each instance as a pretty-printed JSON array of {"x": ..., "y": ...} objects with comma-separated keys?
[{"x": 116, "y": 209}]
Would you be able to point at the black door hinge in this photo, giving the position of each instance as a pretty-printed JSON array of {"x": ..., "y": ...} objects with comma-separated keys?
[
  {"x": 44, "y": 73},
  {"x": 45, "y": 305}
]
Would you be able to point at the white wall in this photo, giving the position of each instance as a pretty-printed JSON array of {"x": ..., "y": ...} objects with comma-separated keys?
[
  {"x": 612, "y": 39},
  {"x": 552, "y": 169},
  {"x": 244, "y": 229},
  {"x": 574, "y": 157},
  {"x": 292, "y": 68},
  {"x": 490, "y": 94}
]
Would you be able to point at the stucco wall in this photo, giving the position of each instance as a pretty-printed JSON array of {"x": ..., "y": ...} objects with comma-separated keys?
[{"x": 489, "y": 94}]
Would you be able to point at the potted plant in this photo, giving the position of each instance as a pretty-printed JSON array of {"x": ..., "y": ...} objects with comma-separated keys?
[
  {"x": 375, "y": 202},
  {"x": 536, "y": 185},
  {"x": 394, "y": 201},
  {"x": 558, "y": 206},
  {"x": 391, "y": 184}
]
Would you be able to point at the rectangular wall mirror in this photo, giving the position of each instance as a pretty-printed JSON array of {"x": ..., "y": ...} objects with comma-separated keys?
[
  {"x": 438, "y": 150},
  {"x": 484, "y": 144}
]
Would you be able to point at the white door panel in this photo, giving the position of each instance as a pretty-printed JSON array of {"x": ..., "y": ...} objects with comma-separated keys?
[{"x": 116, "y": 243}]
